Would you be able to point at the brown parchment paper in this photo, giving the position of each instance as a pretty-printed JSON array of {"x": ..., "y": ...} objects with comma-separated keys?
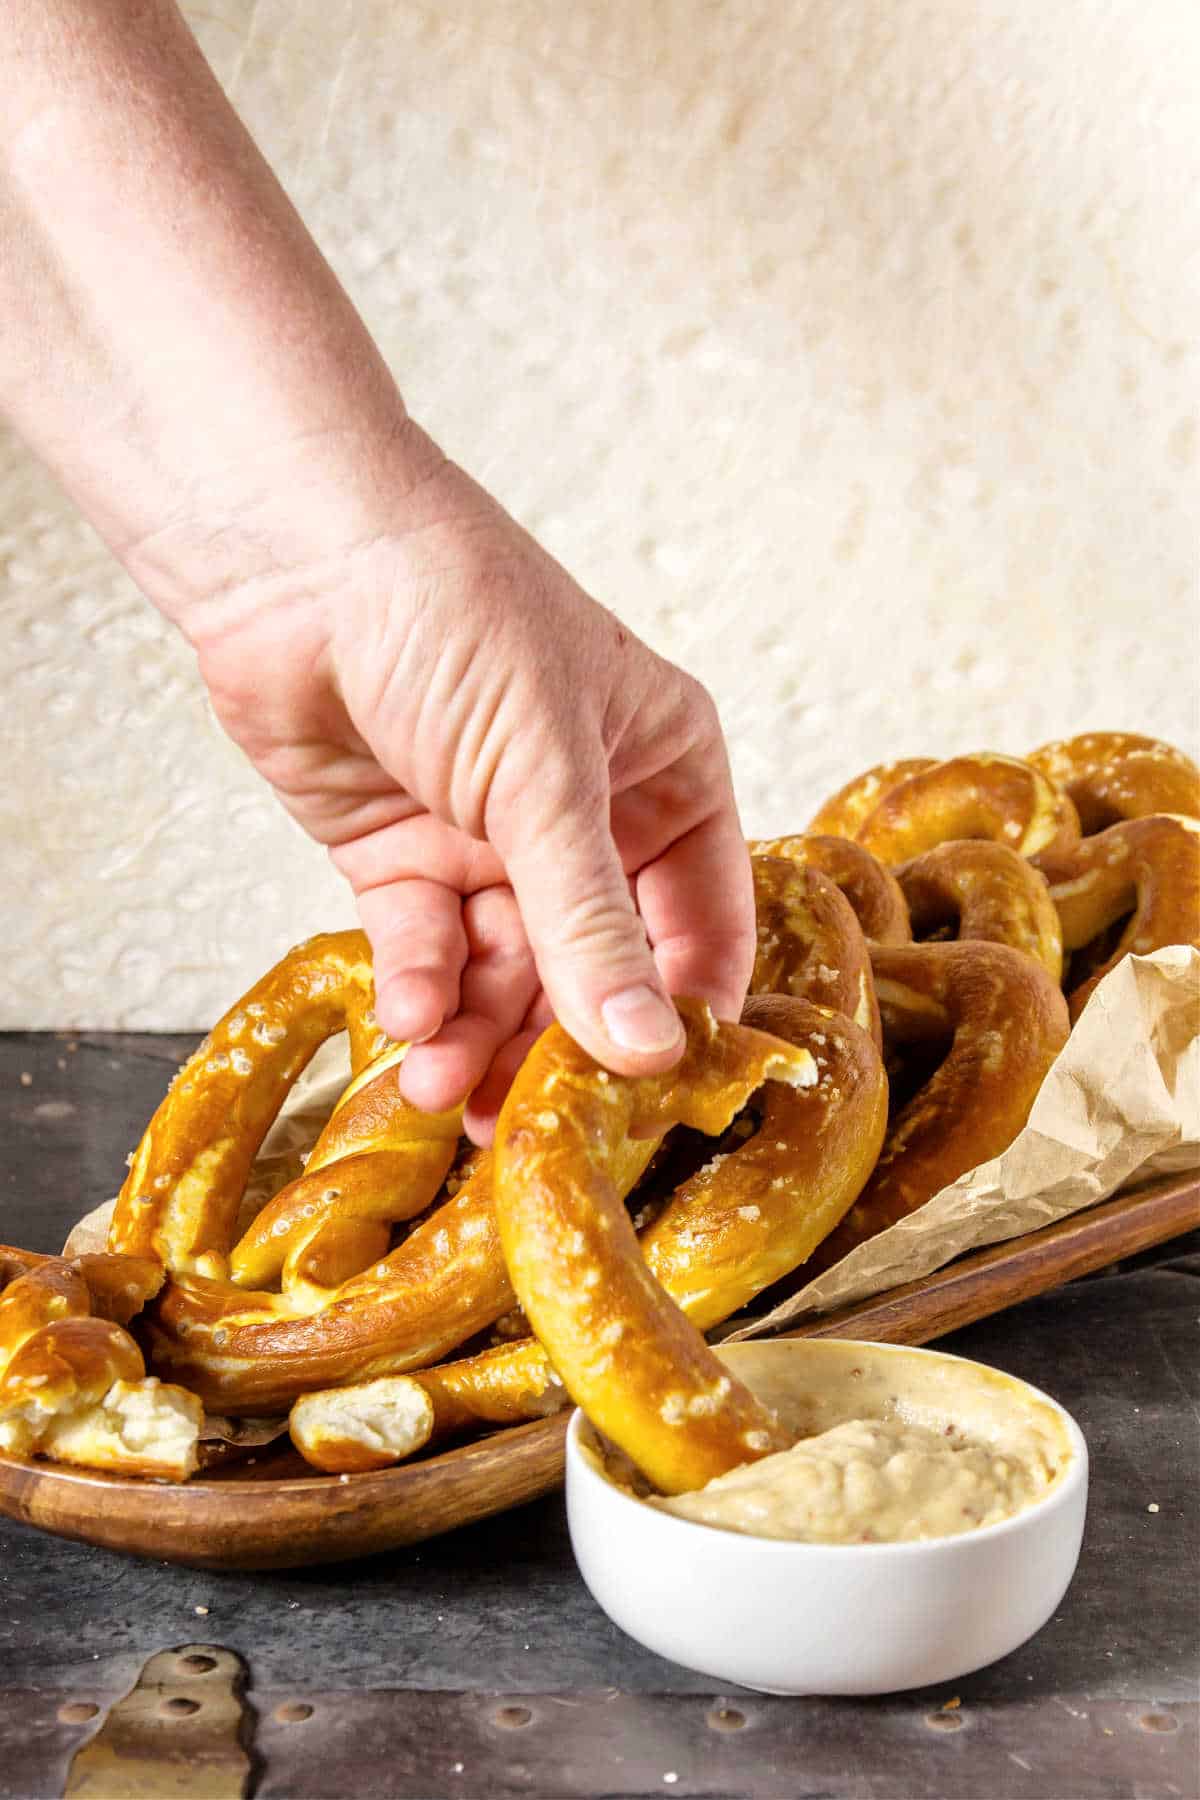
[{"x": 1120, "y": 1105}]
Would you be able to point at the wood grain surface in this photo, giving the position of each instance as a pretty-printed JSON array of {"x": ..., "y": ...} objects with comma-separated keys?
[{"x": 277, "y": 1513}]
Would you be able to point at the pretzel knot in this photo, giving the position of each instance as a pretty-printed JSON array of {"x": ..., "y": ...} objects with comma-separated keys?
[
  {"x": 997, "y": 1021},
  {"x": 1148, "y": 868},
  {"x": 980, "y": 796},
  {"x": 1114, "y": 775},
  {"x": 73, "y": 1385}
]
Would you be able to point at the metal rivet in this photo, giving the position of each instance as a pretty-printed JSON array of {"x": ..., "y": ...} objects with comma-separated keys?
[
  {"x": 1159, "y": 1721},
  {"x": 179, "y": 1708},
  {"x": 726, "y": 1718},
  {"x": 197, "y": 1665},
  {"x": 293, "y": 1712},
  {"x": 944, "y": 1721},
  {"x": 511, "y": 1718},
  {"x": 77, "y": 1712}
]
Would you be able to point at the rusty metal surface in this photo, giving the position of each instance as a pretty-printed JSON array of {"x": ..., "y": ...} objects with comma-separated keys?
[
  {"x": 404, "y": 1656},
  {"x": 177, "y": 1735}
]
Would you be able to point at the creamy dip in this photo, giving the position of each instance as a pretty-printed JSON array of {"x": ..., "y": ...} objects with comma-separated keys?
[{"x": 892, "y": 1445}]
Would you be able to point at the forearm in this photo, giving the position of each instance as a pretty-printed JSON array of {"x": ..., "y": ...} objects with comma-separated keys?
[{"x": 174, "y": 346}]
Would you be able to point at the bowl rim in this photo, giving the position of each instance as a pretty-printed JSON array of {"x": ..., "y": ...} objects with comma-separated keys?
[{"x": 1066, "y": 1482}]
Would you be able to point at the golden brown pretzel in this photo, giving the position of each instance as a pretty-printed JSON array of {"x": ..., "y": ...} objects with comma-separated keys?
[
  {"x": 1113, "y": 775},
  {"x": 1148, "y": 867},
  {"x": 809, "y": 942},
  {"x": 188, "y": 1174},
  {"x": 741, "y": 1223},
  {"x": 846, "y": 811},
  {"x": 624, "y": 1350},
  {"x": 980, "y": 796},
  {"x": 73, "y": 1387},
  {"x": 253, "y": 1352},
  {"x": 1005, "y": 1021},
  {"x": 872, "y": 890},
  {"x": 984, "y": 891}
]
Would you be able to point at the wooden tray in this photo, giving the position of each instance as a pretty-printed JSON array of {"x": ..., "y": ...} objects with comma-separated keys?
[{"x": 277, "y": 1514}]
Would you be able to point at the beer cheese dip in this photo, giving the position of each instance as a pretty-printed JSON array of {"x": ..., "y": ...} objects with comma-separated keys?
[{"x": 891, "y": 1447}]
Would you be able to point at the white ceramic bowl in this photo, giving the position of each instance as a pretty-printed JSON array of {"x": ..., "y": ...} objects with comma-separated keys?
[{"x": 801, "y": 1618}]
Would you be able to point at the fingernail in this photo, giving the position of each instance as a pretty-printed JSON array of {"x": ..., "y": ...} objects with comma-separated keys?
[{"x": 640, "y": 1019}]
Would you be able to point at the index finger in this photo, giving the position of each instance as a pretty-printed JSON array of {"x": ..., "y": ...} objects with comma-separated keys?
[{"x": 697, "y": 903}]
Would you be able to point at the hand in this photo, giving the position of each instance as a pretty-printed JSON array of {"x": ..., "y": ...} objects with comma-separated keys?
[{"x": 534, "y": 810}]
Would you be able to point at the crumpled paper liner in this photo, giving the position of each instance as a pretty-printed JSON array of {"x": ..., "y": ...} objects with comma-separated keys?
[{"x": 1120, "y": 1105}]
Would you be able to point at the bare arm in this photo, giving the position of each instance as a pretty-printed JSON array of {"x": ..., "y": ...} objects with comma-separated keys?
[{"x": 534, "y": 811}]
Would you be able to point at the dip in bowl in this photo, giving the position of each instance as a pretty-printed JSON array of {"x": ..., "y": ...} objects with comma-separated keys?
[{"x": 927, "y": 1522}]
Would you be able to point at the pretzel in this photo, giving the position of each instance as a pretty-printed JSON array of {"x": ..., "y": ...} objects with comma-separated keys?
[
  {"x": 981, "y": 796},
  {"x": 187, "y": 1175},
  {"x": 809, "y": 942},
  {"x": 624, "y": 1350},
  {"x": 872, "y": 890},
  {"x": 741, "y": 1223},
  {"x": 1148, "y": 865},
  {"x": 73, "y": 1387},
  {"x": 254, "y": 1352},
  {"x": 845, "y": 812},
  {"x": 1005, "y": 1020},
  {"x": 352, "y": 1429},
  {"x": 1113, "y": 775},
  {"x": 984, "y": 891}
]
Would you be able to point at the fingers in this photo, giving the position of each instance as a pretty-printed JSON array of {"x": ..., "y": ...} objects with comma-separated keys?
[
  {"x": 498, "y": 983},
  {"x": 420, "y": 947},
  {"x": 697, "y": 900},
  {"x": 590, "y": 947}
]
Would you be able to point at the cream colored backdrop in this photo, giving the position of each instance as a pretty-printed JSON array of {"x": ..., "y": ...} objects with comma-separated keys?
[{"x": 848, "y": 349}]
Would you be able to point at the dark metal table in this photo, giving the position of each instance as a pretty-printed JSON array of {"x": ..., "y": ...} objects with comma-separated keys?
[{"x": 477, "y": 1664}]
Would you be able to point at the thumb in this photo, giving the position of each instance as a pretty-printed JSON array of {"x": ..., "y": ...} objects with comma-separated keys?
[{"x": 593, "y": 957}]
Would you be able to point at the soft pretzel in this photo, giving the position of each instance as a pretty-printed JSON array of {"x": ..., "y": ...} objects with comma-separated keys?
[
  {"x": 983, "y": 891},
  {"x": 349, "y": 1430},
  {"x": 845, "y": 812},
  {"x": 1148, "y": 867},
  {"x": 809, "y": 942},
  {"x": 981, "y": 796},
  {"x": 188, "y": 1174},
  {"x": 1005, "y": 1021},
  {"x": 873, "y": 892},
  {"x": 742, "y": 1222},
  {"x": 624, "y": 1350},
  {"x": 118, "y": 1287},
  {"x": 254, "y": 1352},
  {"x": 73, "y": 1387},
  {"x": 1113, "y": 775}
]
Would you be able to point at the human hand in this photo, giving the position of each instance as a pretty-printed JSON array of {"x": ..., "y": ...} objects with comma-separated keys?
[{"x": 534, "y": 810}]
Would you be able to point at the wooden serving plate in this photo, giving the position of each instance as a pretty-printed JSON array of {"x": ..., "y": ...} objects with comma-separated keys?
[{"x": 277, "y": 1514}]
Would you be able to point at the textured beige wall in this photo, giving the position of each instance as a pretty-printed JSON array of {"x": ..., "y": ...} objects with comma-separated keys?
[{"x": 847, "y": 348}]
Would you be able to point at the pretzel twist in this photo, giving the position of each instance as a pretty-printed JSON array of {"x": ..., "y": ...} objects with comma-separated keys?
[
  {"x": 1114, "y": 775},
  {"x": 987, "y": 892},
  {"x": 981, "y": 796},
  {"x": 187, "y": 1175},
  {"x": 846, "y": 812},
  {"x": 809, "y": 942},
  {"x": 1148, "y": 867},
  {"x": 873, "y": 891},
  {"x": 1005, "y": 1021},
  {"x": 73, "y": 1386}
]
